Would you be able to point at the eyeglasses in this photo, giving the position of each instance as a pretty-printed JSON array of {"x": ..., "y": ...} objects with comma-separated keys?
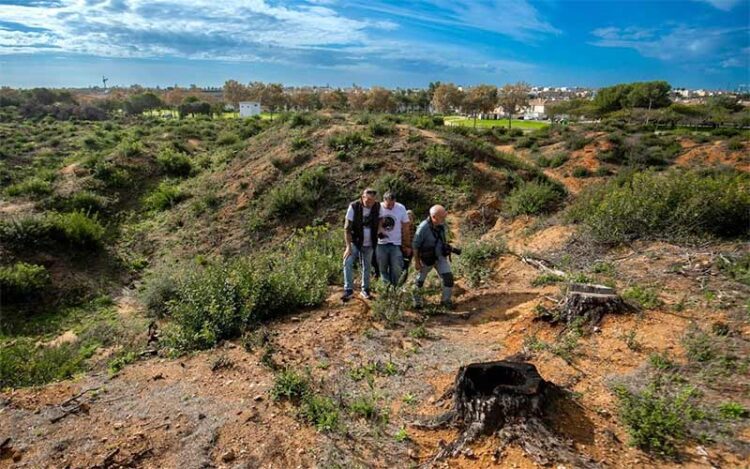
[{"x": 371, "y": 192}]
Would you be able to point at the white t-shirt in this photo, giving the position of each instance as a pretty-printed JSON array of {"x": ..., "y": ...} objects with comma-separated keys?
[
  {"x": 367, "y": 241},
  {"x": 391, "y": 223}
]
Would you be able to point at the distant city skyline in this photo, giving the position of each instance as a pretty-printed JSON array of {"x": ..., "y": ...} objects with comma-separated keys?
[{"x": 73, "y": 43}]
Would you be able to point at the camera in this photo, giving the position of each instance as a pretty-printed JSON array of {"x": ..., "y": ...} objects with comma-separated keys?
[{"x": 448, "y": 250}]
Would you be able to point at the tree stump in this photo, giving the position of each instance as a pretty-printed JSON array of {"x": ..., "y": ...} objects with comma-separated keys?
[
  {"x": 507, "y": 399},
  {"x": 590, "y": 303}
]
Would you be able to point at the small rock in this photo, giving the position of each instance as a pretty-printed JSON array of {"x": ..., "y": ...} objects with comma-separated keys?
[
  {"x": 597, "y": 329},
  {"x": 301, "y": 451},
  {"x": 295, "y": 319},
  {"x": 117, "y": 425},
  {"x": 412, "y": 454},
  {"x": 201, "y": 416},
  {"x": 257, "y": 398},
  {"x": 228, "y": 456}
]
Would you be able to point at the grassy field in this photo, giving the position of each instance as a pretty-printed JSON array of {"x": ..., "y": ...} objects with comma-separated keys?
[{"x": 515, "y": 123}]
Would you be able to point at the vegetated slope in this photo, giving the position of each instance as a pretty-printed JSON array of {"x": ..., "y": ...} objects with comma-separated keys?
[{"x": 343, "y": 384}]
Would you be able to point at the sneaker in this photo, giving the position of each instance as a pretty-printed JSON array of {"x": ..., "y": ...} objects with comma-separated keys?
[
  {"x": 348, "y": 294},
  {"x": 365, "y": 295}
]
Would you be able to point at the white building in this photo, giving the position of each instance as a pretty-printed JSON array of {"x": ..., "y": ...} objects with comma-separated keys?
[
  {"x": 535, "y": 110},
  {"x": 249, "y": 108}
]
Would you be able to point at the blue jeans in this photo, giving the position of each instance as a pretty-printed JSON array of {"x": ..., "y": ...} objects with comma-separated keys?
[
  {"x": 390, "y": 262},
  {"x": 364, "y": 256},
  {"x": 443, "y": 267}
]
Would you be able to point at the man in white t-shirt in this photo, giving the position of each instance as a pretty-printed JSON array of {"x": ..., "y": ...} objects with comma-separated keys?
[
  {"x": 394, "y": 239},
  {"x": 360, "y": 235}
]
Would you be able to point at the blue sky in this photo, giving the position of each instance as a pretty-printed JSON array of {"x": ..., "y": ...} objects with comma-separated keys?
[{"x": 691, "y": 43}]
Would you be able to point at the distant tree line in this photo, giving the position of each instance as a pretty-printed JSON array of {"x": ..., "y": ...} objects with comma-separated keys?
[{"x": 642, "y": 102}]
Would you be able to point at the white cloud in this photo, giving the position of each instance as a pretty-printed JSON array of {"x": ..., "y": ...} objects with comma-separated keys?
[
  {"x": 517, "y": 19},
  {"x": 312, "y": 33},
  {"x": 680, "y": 44},
  {"x": 724, "y": 5}
]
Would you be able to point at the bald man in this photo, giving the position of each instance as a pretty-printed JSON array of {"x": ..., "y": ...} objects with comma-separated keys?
[{"x": 429, "y": 247}]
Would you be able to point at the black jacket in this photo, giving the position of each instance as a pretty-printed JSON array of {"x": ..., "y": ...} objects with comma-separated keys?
[{"x": 357, "y": 227}]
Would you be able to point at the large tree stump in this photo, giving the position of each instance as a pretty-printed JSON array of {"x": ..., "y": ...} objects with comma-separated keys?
[
  {"x": 589, "y": 303},
  {"x": 507, "y": 399}
]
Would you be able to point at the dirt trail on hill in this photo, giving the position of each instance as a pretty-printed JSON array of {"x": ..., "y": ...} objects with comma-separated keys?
[{"x": 181, "y": 413}]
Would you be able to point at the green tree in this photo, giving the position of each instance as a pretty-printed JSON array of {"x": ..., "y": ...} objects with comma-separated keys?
[
  {"x": 480, "y": 99},
  {"x": 513, "y": 97}
]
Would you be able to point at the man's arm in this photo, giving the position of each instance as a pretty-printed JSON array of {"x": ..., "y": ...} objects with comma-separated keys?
[
  {"x": 347, "y": 237},
  {"x": 415, "y": 245}
]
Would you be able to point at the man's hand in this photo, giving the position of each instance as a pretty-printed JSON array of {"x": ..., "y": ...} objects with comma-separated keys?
[
  {"x": 417, "y": 264},
  {"x": 347, "y": 252}
]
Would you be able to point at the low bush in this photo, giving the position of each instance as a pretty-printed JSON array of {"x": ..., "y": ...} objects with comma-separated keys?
[
  {"x": 581, "y": 172},
  {"x": 220, "y": 300},
  {"x": 668, "y": 205},
  {"x": 381, "y": 128},
  {"x": 532, "y": 198},
  {"x": 289, "y": 385},
  {"x": 34, "y": 186},
  {"x": 174, "y": 163},
  {"x": 24, "y": 363},
  {"x": 439, "y": 159},
  {"x": 166, "y": 195},
  {"x": 21, "y": 281},
  {"x": 300, "y": 196},
  {"x": 348, "y": 141},
  {"x": 320, "y": 411},
  {"x": 87, "y": 202},
  {"x": 77, "y": 228},
  {"x": 657, "y": 421},
  {"x": 475, "y": 262},
  {"x": 227, "y": 137}
]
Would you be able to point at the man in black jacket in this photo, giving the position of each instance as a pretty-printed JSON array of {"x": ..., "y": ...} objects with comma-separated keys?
[{"x": 360, "y": 234}]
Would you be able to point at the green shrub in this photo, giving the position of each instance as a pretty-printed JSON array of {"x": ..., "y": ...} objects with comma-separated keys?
[
  {"x": 320, "y": 411},
  {"x": 381, "y": 128},
  {"x": 554, "y": 162},
  {"x": 532, "y": 198},
  {"x": 33, "y": 186},
  {"x": 86, "y": 201},
  {"x": 25, "y": 232},
  {"x": 348, "y": 141},
  {"x": 576, "y": 142},
  {"x": 290, "y": 385},
  {"x": 581, "y": 172},
  {"x": 227, "y": 137},
  {"x": 674, "y": 204},
  {"x": 218, "y": 301},
  {"x": 733, "y": 411},
  {"x": 130, "y": 148},
  {"x": 406, "y": 192},
  {"x": 299, "y": 142},
  {"x": 474, "y": 263},
  {"x": 165, "y": 196},
  {"x": 23, "y": 363},
  {"x": 21, "y": 281},
  {"x": 656, "y": 421},
  {"x": 77, "y": 228},
  {"x": 547, "y": 279},
  {"x": 737, "y": 268},
  {"x": 646, "y": 298},
  {"x": 158, "y": 290},
  {"x": 366, "y": 407},
  {"x": 736, "y": 144},
  {"x": 174, "y": 163},
  {"x": 300, "y": 196},
  {"x": 439, "y": 159}
]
